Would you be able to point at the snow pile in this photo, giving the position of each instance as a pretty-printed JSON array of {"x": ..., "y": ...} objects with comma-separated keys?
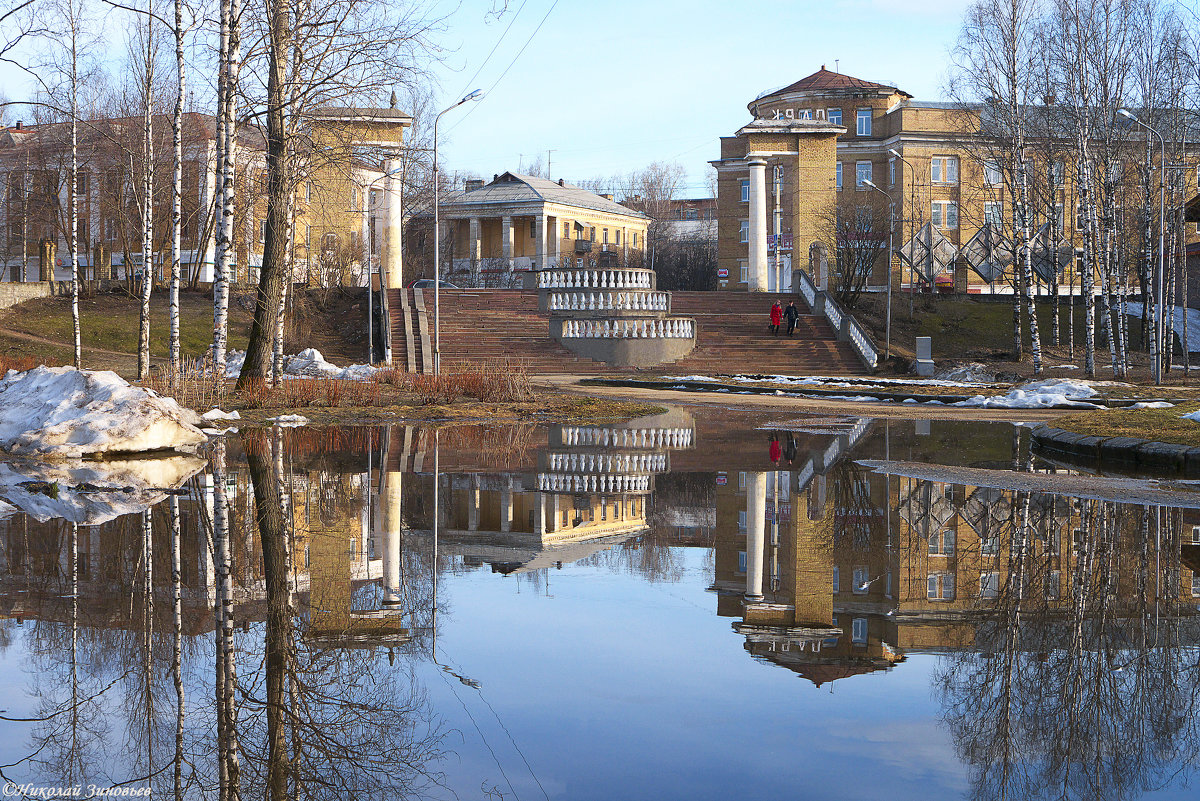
[
  {"x": 1152, "y": 405},
  {"x": 308, "y": 363},
  {"x": 289, "y": 420},
  {"x": 92, "y": 492},
  {"x": 1178, "y": 315},
  {"x": 972, "y": 372},
  {"x": 1045, "y": 394},
  {"x": 66, "y": 413},
  {"x": 1194, "y": 416},
  {"x": 216, "y": 415}
]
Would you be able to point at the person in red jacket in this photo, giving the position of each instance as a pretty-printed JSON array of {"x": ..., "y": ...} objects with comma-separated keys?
[{"x": 776, "y": 318}]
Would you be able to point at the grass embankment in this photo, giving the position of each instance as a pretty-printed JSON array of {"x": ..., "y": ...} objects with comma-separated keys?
[{"x": 1157, "y": 425}]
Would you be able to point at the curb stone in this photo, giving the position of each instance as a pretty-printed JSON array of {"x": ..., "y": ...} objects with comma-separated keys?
[{"x": 1123, "y": 451}]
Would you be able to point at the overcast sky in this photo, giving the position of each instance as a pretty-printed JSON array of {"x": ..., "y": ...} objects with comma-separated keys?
[{"x": 613, "y": 86}]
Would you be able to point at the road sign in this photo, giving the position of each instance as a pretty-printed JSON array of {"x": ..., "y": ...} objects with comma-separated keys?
[
  {"x": 721, "y": 479},
  {"x": 722, "y": 272}
]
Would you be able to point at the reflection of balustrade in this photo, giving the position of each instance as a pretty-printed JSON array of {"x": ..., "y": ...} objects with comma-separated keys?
[
  {"x": 595, "y": 279},
  {"x": 670, "y": 328},
  {"x": 609, "y": 301},
  {"x": 554, "y": 482},
  {"x": 627, "y": 437},
  {"x": 608, "y": 462}
]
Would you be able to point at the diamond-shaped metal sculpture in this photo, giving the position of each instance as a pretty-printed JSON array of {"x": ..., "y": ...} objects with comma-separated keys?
[
  {"x": 1043, "y": 254},
  {"x": 988, "y": 253},
  {"x": 928, "y": 253}
]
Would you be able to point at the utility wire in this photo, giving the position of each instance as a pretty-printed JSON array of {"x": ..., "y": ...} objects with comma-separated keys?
[
  {"x": 494, "y": 48},
  {"x": 464, "y": 117}
]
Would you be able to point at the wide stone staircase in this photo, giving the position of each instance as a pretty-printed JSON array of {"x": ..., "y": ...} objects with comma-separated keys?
[{"x": 731, "y": 335}]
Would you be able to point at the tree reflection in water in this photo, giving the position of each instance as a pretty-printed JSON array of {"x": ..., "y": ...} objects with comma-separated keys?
[{"x": 1090, "y": 697}]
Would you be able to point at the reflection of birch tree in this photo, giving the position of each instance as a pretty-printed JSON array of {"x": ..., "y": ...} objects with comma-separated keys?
[{"x": 1091, "y": 698}]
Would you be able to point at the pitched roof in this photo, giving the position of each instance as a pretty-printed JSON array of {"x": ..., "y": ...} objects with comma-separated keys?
[
  {"x": 824, "y": 80},
  {"x": 513, "y": 187}
]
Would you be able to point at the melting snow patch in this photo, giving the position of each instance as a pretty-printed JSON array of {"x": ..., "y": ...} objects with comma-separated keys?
[
  {"x": 1045, "y": 394},
  {"x": 289, "y": 420},
  {"x": 1152, "y": 405},
  {"x": 1194, "y": 416},
  {"x": 308, "y": 363},
  {"x": 62, "y": 412},
  {"x": 213, "y": 415}
]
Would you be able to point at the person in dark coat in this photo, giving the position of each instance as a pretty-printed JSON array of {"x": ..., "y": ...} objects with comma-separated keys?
[
  {"x": 776, "y": 318},
  {"x": 790, "y": 451},
  {"x": 792, "y": 314}
]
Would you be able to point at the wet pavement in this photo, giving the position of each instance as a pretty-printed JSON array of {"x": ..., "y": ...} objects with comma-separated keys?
[{"x": 709, "y": 603}]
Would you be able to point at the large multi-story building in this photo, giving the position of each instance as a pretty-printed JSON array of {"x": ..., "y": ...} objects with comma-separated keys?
[
  {"x": 338, "y": 197},
  {"x": 781, "y": 175}
]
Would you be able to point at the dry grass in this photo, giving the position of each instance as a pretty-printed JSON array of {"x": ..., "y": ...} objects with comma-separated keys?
[
  {"x": 1158, "y": 425},
  {"x": 23, "y": 363},
  {"x": 197, "y": 386},
  {"x": 492, "y": 382},
  {"x": 295, "y": 393}
]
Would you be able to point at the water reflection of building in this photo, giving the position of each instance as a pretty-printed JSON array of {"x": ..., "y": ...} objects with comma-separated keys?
[
  {"x": 588, "y": 492},
  {"x": 801, "y": 558}
]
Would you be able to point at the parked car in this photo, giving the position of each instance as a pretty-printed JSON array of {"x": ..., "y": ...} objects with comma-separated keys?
[{"x": 427, "y": 283}]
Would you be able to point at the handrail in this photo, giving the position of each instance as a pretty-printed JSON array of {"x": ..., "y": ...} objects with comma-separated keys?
[
  {"x": 576, "y": 278},
  {"x": 603, "y": 300},
  {"x": 821, "y": 302},
  {"x": 386, "y": 325},
  {"x": 807, "y": 289},
  {"x": 625, "y": 328}
]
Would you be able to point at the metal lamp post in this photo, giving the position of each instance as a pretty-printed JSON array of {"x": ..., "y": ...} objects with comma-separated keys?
[
  {"x": 891, "y": 225},
  {"x": 1159, "y": 331},
  {"x": 437, "y": 250},
  {"x": 912, "y": 205}
]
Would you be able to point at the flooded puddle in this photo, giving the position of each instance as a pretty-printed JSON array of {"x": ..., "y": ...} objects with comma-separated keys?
[{"x": 699, "y": 605}]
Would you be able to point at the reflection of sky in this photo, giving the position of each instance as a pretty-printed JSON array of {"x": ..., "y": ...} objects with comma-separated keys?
[{"x": 617, "y": 688}]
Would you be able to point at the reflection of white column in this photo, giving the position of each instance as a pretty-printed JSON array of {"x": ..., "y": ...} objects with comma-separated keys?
[
  {"x": 392, "y": 524},
  {"x": 757, "y": 257},
  {"x": 539, "y": 513},
  {"x": 756, "y": 513},
  {"x": 506, "y": 505},
  {"x": 473, "y": 504},
  {"x": 506, "y": 239},
  {"x": 555, "y": 514}
]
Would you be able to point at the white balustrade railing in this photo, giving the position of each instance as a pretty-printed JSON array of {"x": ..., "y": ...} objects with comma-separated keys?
[
  {"x": 608, "y": 462},
  {"x": 584, "y": 436},
  {"x": 555, "y": 482},
  {"x": 862, "y": 343},
  {"x": 807, "y": 289},
  {"x": 594, "y": 279},
  {"x": 633, "y": 300},
  {"x": 842, "y": 323},
  {"x": 671, "y": 328},
  {"x": 833, "y": 314}
]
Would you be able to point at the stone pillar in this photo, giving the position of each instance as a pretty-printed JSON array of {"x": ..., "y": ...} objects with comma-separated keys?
[
  {"x": 539, "y": 235},
  {"x": 556, "y": 238},
  {"x": 756, "y": 513},
  {"x": 555, "y": 513},
  {"x": 474, "y": 243},
  {"x": 506, "y": 240},
  {"x": 391, "y": 248},
  {"x": 473, "y": 504},
  {"x": 539, "y": 513},
  {"x": 101, "y": 262},
  {"x": 392, "y": 525},
  {"x": 46, "y": 252},
  {"x": 506, "y": 505},
  {"x": 756, "y": 277}
]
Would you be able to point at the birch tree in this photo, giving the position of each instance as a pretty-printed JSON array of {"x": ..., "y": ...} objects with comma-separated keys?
[
  {"x": 229, "y": 58},
  {"x": 146, "y": 77}
]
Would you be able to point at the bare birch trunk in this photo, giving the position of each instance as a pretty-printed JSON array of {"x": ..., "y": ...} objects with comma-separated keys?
[
  {"x": 1035, "y": 341},
  {"x": 177, "y": 632},
  {"x": 230, "y": 45},
  {"x": 229, "y": 768},
  {"x": 281, "y": 310},
  {"x": 147, "y": 209},
  {"x": 177, "y": 191},
  {"x": 75, "y": 189}
]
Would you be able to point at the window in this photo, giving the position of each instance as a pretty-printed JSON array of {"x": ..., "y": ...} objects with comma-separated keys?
[
  {"x": 1195, "y": 535},
  {"x": 744, "y": 231},
  {"x": 81, "y": 184},
  {"x": 860, "y": 579},
  {"x": 839, "y": 175},
  {"x": 308, "y": 191},
  {"x": 1053, "y": 580},
  {"x": 742, "y": 276},
  {"x": 566, "y": 230},
  {"x": 262, "y": 230},
  {"x": 635, "y": 239},
  {"x": 858, "y": 631},
  {"x": 307, "y": 236},
  {"x": 741, "y": 562},
  {"x": 742, "y": 521},
  {"x": 592, "y": 234},
  {"x": 836, "y": 580},
  {"x": 989, "y": 585},
  {"x": 944, "y": 214},
  {"x": 618, "y": 237},
  {"x": 110, "y": 229},
  {"x": 1115, "y": 171},
  {"x": 806, "y": 114},
  {"x": 1059, "y": 216},
  {"x": 943, "y": 169},
  {"x": 891, "y": 172},
  {"x": 942, "y": 543},
  {"x": 533, "y": 229},
  {"x": 940, "y": 587},
  {"x": 993, "y": 214},
  {"x": 834, "y": 115},
  {"x": 374, "y": 198},
  {"x": 864, "y": 122},
  {"x": 746, "y": 191},
  {"x": 991, "y": 173},
  {"x": 1196, "y": 585},
  {"x": 353, "y": 198},
  {"x": 605, "y": 235},
  {"x": 1057, "y": 172},
  {"x": 862, "y": 172}
]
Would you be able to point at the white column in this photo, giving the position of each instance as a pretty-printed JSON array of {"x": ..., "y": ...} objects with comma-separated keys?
[
  {"x": 474, "y": 244},
  {"x": 539, "y": 513},
  {"x": 625, "y": 245},
  {"x": 506, "y": 240},
  {"x": 757, "y": 257},
  {"x": 506, "y": 505},
  {"x": 556, "y": 238},
  {"x": 555, "y": 513},
  {"x": 392, "y": 524},
  {"x": 391, "y": 248},
  {"x": 756, "y": 513},
  {"x": 539, "y": 233}
]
